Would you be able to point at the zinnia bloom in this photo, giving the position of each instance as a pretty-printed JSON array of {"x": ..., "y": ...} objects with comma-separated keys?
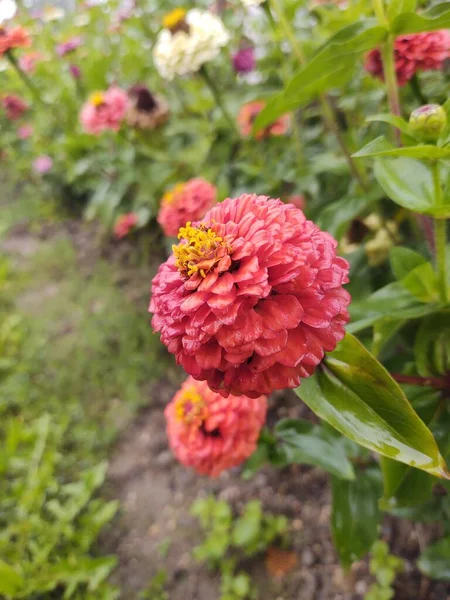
[
  {"x": 244, "y": 60},
  {"x": 43, "y": 164},
  {"x": 14, "y": 106},
  {"x": 16, "y": 37},
  {"x": 188, "y": 41},
  {"x": 146, "y": 110},
  {"x": 210, "y": 433},
  {"x": 25, "y": 132},
  {"x": 104, "y": 110},
  {"x": 75, "y": 71},
  {"x": 125, "y": 224},
  {"x": 248, "y": 114},
  {"x": 425, "y": 51},
  {"x": 28, "y": 61},
  {"x": 185, "y": 202},
  {"x": 69, "y": 46},
  {"x": 251, "y": 297}
]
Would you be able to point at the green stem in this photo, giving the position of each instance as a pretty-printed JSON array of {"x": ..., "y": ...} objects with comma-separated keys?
[
  {"x": 440, "y": 233},
  {"x": 26, "y": 80},
  {"x": 390, "y": 78},
  {"x": 327, "y": 109},
  {"x": 378, "y": 8},
  {"x": 217, "y": 97}
]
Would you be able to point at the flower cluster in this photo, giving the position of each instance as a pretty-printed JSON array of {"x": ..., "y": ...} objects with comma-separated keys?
[
  {"x": 251, "y": 297},
  {"x": 415, "y": 52},
  {"x": 146, "y": 111},
  {"x": 211, "y": 433},
  {"x": 188, "y": 41},
  {"x": 17, "y": 37},
  {"x": 14, "y": 106},
  {"x": 185, "y": 202},
  {"x": 248, "y": 114},
  {"x": 125, "y": 224},
  {"x": 104, "y": 110}
]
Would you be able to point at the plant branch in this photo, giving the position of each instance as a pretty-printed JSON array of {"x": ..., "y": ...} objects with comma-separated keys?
[
  {"x": 439, "y": 383},
  {"x": 26, "y": 80},
  {"x": 440, "y": 236},
  {"x": 217, "y": 97}
]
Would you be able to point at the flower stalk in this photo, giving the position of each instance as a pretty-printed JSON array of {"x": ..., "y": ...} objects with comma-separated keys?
[
  {"x": 440, "y": 233},
  {"x": 217, "y": 97},
  {"x": 23, "y": 76}
]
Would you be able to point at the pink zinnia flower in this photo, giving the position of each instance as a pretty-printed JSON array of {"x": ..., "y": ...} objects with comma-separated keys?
[
  {"x": 210, "y": 433},
  {"x": 244, "y": 60},
  {"x": 28, "y": 62},
  {"x": 251, "y": 297},
  {"x": 14, "y": 106},
  {"x": 248, "y": 114},
  {"x": 124, "y": 224},
  {"x": 185, "y": 202},
  {"x": 16, "y": 37},
  {"x": 415, "y": 52},
  {"x": 25, "y": 131},
  {"x": 104, "y": 110},
  {"x": 43, "y": 164},
  {"x": 69, "y": 46}
]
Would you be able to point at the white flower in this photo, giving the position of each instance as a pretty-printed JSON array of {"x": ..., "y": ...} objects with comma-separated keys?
[
  {"x": 8, "y": 9},
  {"x": 184, "y": 52}
]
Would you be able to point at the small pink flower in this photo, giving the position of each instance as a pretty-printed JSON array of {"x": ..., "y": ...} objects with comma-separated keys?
[
  {"x": 25, "y": 131},
  {"x": 425, "y": 51},
  {"x": 252, "y": 297},
  {"x": 125, "y": 224},
  {"x": 43, "y": 164},
  {"x": 298, "y": 200},
  {"x": 14, "y": 106},
  {"x": 249, "y": 112},
  {"x": 104, "y": 110},
  {"x": 69, "y": 46},
  {"x": 28, "y": 61},
  {"x": 75, "y": 71},
  {"x": 244, "y": 60},
  {"x": 212, "y": 434},
  {"x": 185, "y": 202}
]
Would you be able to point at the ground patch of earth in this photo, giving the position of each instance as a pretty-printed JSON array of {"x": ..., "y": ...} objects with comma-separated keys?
[{"x": 155, "y": 529}]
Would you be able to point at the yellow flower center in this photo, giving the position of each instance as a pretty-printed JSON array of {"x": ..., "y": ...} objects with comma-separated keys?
[
  {"x": 190, "y": 408},
  {"x": 170, "y": 196},
  {"x": 174, "y": 17},
  {"x": 200, "y": 252},
  {"x": 97, "y": 98}
]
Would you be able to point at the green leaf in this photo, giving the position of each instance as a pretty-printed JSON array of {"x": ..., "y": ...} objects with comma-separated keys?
[
  {"x": 404, "y": 260},
  {"x": 331, "y": 66},
  {"x": 397, "y": 7},
  {"x": 435, "y": 561},
  {"x": 353, "y": 392},
  {"x": 432, "y": 345},
  {"x": 355, "y": 515},
  {"x": 10, "y": 580},
  {"x": 409, "y": 183},
  {"x": 437, "y": 17},
  {"x": 335, "y": 216},
  {"x": 397, "y": 122},
  {"x": 313, "y": 445},
  {"x": 422, "y": 283},
  {"x": 404, "y": 486},
  {"x": 381, "y": 147}
]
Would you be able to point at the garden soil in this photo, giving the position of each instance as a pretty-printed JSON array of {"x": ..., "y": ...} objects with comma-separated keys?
[{"x": 155, "y": 531}]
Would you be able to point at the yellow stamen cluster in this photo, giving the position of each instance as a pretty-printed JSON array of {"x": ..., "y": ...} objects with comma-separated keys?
[
  {"x": 97, "y": 98},
  {"x": 190, "y": 408},
  {"x": 170, "y": 195},
  {"x": 199, "y": 253},
  {"x": 173, "y": 18}
]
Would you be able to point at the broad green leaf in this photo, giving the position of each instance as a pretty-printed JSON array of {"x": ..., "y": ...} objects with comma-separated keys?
[
  {"x": 353, "y": 392},
  {"x": 397, "y": 122},
  {"x": 10, "y": 580},
  {"x": 335, "y": 216},
  {"x": 381, "y": 147},
  {"x": 355, "y": 515},
  {"x": 397, "y": 7},
  {"x": 435, "y": 560},
  {"x": 432, "y": 345},
  {"x": 404, "y": 260},
  {"x": 409, "y": 183},
  {"x": 422, "y": 283},
  {"x": 332, "y": 63},
  {"x": 437, "y": 17},
  {"x": 311, "y": 444},
  {"x": 404, "y": 486}
]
